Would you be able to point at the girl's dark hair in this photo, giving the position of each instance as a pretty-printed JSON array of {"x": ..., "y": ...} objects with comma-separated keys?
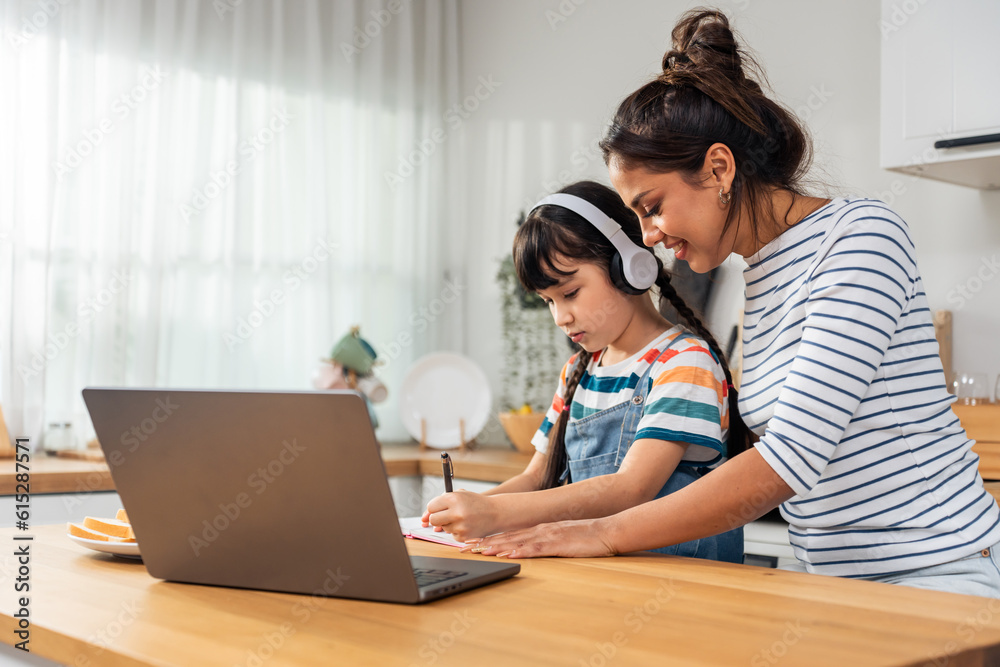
[
  {"x": 551, "y": 233},
  {"x": 705, "y": 96}
]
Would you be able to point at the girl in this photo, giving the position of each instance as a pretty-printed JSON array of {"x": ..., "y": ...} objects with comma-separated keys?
[
  {"x": 645, "y": 409},
  {"x": 841, "y": 379}
]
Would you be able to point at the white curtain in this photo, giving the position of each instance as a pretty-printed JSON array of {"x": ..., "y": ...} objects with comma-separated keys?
[{"x": 209, "y": 194}]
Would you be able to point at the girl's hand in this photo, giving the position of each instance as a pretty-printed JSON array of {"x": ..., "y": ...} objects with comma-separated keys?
[
  {"x": 586, "y": 538},
  {"x": 464, "y": 514}
]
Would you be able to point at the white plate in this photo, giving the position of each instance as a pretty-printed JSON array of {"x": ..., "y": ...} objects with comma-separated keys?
[
  {"x": 128, "y": 549},
  {"x": 442, "y": 388}
]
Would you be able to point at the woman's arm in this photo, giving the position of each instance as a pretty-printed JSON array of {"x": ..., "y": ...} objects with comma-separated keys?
[
  {"x": 736, "y": 493},
  {"x": 644, "y": 471}
]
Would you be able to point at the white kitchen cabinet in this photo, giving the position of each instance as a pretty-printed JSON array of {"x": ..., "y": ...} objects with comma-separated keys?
[
  {"x": 941, "y": 84},
  {"x": 767, "y": 540},
  {"x": 47, "y": 508}
]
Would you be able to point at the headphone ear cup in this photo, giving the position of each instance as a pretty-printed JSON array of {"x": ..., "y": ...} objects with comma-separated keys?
[{"x": 617, "y": 273}]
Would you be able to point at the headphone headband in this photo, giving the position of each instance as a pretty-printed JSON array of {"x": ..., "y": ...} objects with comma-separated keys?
[{"x": 638, "y": 264}]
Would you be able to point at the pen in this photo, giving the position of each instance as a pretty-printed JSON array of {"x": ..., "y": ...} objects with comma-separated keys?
[{"x": 447, "y": 470}]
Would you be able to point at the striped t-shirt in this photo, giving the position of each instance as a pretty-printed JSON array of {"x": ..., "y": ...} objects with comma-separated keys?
[
  {"x": 843, "y": 384},
  {"x": 687, "y": 402}
]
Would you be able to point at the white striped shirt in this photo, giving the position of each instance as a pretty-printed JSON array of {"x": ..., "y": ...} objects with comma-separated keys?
[{"x": 843, "y": 383}]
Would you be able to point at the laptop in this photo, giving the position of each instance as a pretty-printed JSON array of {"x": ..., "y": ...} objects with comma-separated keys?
[{"x": 279, "y": 491}]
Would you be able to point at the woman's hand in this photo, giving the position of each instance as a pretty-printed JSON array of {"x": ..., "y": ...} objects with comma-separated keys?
[
  {"x": 464, "y": 514},
  {"x": 585, "y": 538}
]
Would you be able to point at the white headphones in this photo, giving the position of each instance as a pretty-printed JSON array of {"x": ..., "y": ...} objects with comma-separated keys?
[{"x": 633, "y": 269}]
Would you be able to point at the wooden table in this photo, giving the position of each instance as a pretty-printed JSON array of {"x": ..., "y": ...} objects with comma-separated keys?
[
  {"x": 488, "y": 464},
  {"x": 92, "y": 609}
]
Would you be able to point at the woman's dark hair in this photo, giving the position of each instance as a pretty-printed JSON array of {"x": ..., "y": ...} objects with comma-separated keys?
[
  {"x": 551, "y": 233},
  {"x": 704, "y": 96}
]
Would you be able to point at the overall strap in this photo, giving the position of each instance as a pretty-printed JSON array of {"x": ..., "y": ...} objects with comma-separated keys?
[
  {"x": 639, "y": 398},
  {"x": 583, "y": 357}
]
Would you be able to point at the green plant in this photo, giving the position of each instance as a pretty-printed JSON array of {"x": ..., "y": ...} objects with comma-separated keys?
[{"x": 534, "y": 349}]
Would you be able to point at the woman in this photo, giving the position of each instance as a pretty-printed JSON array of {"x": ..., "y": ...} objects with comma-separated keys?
[{"x": 841, "y": 381}]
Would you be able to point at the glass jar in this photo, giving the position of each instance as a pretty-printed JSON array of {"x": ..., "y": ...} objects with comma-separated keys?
[{"x": 59, "y": 437}]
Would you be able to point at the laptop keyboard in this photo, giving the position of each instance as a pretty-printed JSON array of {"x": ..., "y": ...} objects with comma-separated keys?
[{"x": 427, "y": 577}]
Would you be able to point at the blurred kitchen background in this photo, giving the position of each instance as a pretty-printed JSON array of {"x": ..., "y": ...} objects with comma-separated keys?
[{"x": 210, "y": 194}]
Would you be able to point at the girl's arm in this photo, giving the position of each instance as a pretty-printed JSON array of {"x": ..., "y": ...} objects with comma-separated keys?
[
  {"x": 644, "y": 471},
  {"x": 736, "y": 493},
  {"x": 529, "y": 480}
]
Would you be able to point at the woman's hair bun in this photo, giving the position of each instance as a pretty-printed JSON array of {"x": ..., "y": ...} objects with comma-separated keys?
[
  {"x": 705, "y": 55},
  {"x": 703, "y": 39}
]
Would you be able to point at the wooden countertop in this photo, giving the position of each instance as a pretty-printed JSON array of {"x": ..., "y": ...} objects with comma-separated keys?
[
  {"x": 485, "y": 464},
  {"x": 488, "y": 464},
  {"x": 49, "y": 474},
  {"x": 90, "y": 608}
]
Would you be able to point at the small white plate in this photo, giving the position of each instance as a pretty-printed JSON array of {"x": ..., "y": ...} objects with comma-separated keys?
[
  {"x": 441, "y": 389},
  {"x": 126, "y": 549}
]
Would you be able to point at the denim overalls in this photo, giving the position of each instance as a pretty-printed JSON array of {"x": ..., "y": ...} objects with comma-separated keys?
[{"x": 597, "y": 444}]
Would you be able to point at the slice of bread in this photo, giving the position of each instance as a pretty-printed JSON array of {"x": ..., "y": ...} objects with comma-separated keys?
[
  {"x": 122, "y": 516},
  {"x": 79, "y": 530},
  {"x": 110, "y": 527}
]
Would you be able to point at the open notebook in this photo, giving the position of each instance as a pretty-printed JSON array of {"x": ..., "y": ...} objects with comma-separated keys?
[{"x": 412, "y": 528}]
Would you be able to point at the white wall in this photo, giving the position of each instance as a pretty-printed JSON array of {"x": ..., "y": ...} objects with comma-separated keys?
[{"x": 560, "y": 81}]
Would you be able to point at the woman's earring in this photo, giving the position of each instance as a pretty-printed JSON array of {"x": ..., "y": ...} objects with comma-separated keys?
[{"x": 725, "y": 197}]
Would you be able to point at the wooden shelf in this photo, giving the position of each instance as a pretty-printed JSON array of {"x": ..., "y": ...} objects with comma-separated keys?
[{"x": 982, "y": 424}]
